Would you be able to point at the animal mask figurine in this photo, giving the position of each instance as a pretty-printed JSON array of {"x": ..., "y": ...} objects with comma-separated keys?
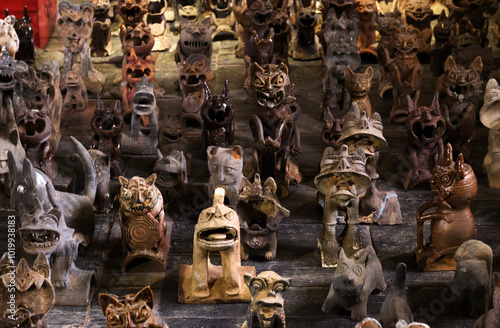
[
  {"x": 132, "y": 11},
  {"x": 158, "y": 24},
  {"x": 217, "y": 230},
  {"x": 103, "y": 202},
  {"x": 107, "y": 126},
  {"x": 74, "y": 26},
  {"x": 217, "y": 113},
  {"x": 34, "y": 293},
  {"x": 282, "y": 30},
  {"x": 172, "y": 135},
  {"x": 144, "y": 230},
  {"x": 342, "y": 179},
  {"x": 492, "y": 318},
  {"x": 462, "y": 86},
  {"x": 9, "y": 40},
  {"x": 418, "y": 14},
  {"x": 225, "y": 166},
  {"x": 7, "y": 69},
  {"x": 266, "y": 309},
  {"x": 195, "y": 38},
  {"x": 454, "y": 186},
  {"x": 24, "y": 32},
  {"x": 304, "y": 45},
  {"x": 441, "y": 48},
  {"x": 139, "y": 38},
  {"x": 132, "y": 310},
  {"x": 260, "y": 212},
  {"x": 76, "y": 92},
  {"x": 144, "y": 104},
  {"x": 359, "y": 85},
  {"x": 224, "y": 20},
  {"x": 100, "y": 45},
  {"x": 367, "y": 12},
  {"x": 424, "y": 149},
  {"x": 406, "y": 71},
  {"x": 354, "y": 280},
  {"x": 490, "y": 117},
  {"x": 473, "y": 277},
  {"x": 9, "y": 143}
]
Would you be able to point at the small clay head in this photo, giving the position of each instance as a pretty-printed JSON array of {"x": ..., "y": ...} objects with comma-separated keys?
[
  {"x": 260, "y": 12},
  {"x": 444, "y": 27},
  {"x": 7, "y": 69},
  {"x": 417, "y": 11},
  {"x": 138, "y": 195},
  {"x": 137, "y": 67},
  {"x": 195, "y": 36},
  {"x": 307, "y": 16},
  {"x": 332, "y": 129},
  {"x": 144, "y": 100},
  {"x": 35, "y": 125},
  {"x": 358, "y": 84},
  {"x": 225, "y": 164},
  {"x": 425, "y": 124},
  {"x": 74, "y": 24},
  {"x": 217, "y": 110},
  {"x": 405, "y": 42},
  {"x": 271, "y": 86},
  {"x": 106, "y": 122},
  {"x": 349, "y": 278},
  {"x": 465, "y": 34},
  {"x": 194, "y": 74},
  {"x": 366, "y": 9},
  {"x": 386, "y": 21},
  {"x": 463, "y": 81},
  {"x": 132, "y": 11},
  {"x": 138, "y": 37},
  {"x": 170, "y": 169}
]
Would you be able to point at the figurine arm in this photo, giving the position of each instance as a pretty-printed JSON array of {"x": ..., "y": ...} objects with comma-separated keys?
[
  {"x": 125, "y": 99},
  {"x": 134, "y": 126},
  {"x": 153, "y": 124},
  {"x": 417, "y": 74},
  {"x": 257, "y": 129},
  {"x": 230, "y": 134}
]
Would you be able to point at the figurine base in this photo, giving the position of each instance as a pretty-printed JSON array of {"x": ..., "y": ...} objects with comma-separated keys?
[
  {"x": 299, "y": 53},
  {"x": 158, "y": 259},
  {"x": 445, "y": 263},
  {"x": 80, "y": 118},
  {"x": 217, "y": 294},
  {"x": 144, "y": 145},
  {"x": 77, "y": 294}
]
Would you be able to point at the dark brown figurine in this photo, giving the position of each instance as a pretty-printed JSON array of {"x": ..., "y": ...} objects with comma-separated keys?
[
  {"x": 282, "y": 28},
  {"x": 217, "y": 113},
  {"x": 418, "y": 14},
  {"x": 441, "y": 48},
  {"x": 132, "y": 310},
  {"x": 24, "y": 32},
  {"x": 266, "y": 309},
  {"x": 157, "y": 23},
  {"x": 359, "y": 85},
  {"x": 172, "y": 135},
  {"x": 367, "y": 12},
  {"x": 454, "y": 186},
  {"x": 76, "y": 97},
  {"x": 305, "y": 46},
  {"x": 424, "y": 149},
  {"x": 462, "y": 87},
  {"x": 9, "y": 41},
  {"x": 260, "y": 213},
  {"x": 332, "y": 129},
  {"x": 100, "y": 45},
  {"x": 490, "y": 117},
  {"x": 195, "y": 38},
  {"x": 217, "y": 230},
  {"x": 139, "y": 38},
  {"x": 492, "y": 318},
  {"x": 144, "y": 230}
]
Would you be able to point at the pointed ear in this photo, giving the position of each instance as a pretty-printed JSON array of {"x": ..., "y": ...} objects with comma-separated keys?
[
  {"x": 237, "y": 152},
  {"x": 348, "y": 74},
  {"x": 247, "y": 277},
  {"x": 151, "y": 180},
  {"x": 207, "y": 21},
  {"x": 159, "y": 154},
  {"x": 257, "y": 67},
  {"x": 28, "y": 171},
  {"x": 435, "y": 101},
  {"x": 411, "y": 105},
  {"x": 450, "y": 64},
  {"x": 225, "y": 90},
  {"x": 41, "y": 265},
  {"x": 459, "y": 166},
  {"x": 369, "y": 72},
  {"x": 123, "y": 181},
  {"x": 477, "y": 64},
  {"x": 282, "y": 66},
  {"x": 342, "y": 256},
  {"x": 12, "y": 163},
  {"x": 106, "y": 299},
  {"x": 448, "y": 156},
  {"x": 154, "y": 57},
  {"x": 146, "y": 295},
  {"x": 271, "y": 184},
  {"x": 14, "y": 136},
  {"x": 212, "y": 151},
  {"x": 442, "y": 16}
]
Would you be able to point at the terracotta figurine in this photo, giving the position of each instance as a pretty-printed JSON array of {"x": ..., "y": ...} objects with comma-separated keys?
[
  {"x": 359, "y": 85},
  {"x": 367, "y": 11},
  {"x": 9, "y": 41},
  {"x": 418, "y": 14},
  {"x": 282, "y": 30},
  {"x": 100, "y": 45},
  {"x": 76, "y": 92},
  {"x": 223, "y": 19},
  {"x": 490, "y": 117},
  {"x": 158, "y": 24},
  {"x": 137, "y": 37}
]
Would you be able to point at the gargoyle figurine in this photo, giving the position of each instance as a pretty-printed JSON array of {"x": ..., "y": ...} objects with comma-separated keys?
[
  {"x": 132, "y": 12},
  {"x": 462, "y": 86},
  {"x": 492, "y": 318},
  {"x": 103, "y": 202},
  {"x": 218, "y": 229},
  {"x": 304, "y": 46},
  {"x": 9, "y": 41},
  {"x": 195, "y": 38},
  {"x": 441, "y": 48},
  {"x": 137, "y": 37},
  {"x": 172, "y": 135},
  {"x": 342, "y": 180},
  {"x": 454, "y": 186},
  {"x": 260, "y": 213},
  {"x": 354, "y": 280},
  {"x": 76, "y": 93},
  {"x": 132, "y": 310},
  {"x": 144, "y": 230},
  {"x": 107, "y": 126},
  {"x": 223, "y": 19},
  {"x": 359, "y": 85},
  {"x": 490, "y": 117},
  {"x": 424, "y": 149},
  {"x": 332, "y": 130},
  {"x": 267, "y": 306},
  {"x": 406, "y": 71},
  {"x": 34, "y": 293},
  {"x": 100, "y": 45},
  {"x": 473, "y": 278},
  {"x": 190, "y": 10},
  {"x": 225, "y": 166},
  {"x": 367, "y": 12},
  {"x": 158, "y": 24},
  {"x": 24, "y": 32},
  {"x": 45, "y": 232},
  {"x": 282, "y": 30},
  {"x": 217, "y": 113},
  {"x": 7, "y": 69},
  {"x": 8, "y": 143},
  {"x": 144, "y": 104},
  {"x": 418, "y": 14}
]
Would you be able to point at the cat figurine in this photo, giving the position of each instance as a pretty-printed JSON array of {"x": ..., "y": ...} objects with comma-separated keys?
[
  {"x": 225, "y": 166},
  {"x": 358, "y": 85},
  {"x": 103, "y": 201}
]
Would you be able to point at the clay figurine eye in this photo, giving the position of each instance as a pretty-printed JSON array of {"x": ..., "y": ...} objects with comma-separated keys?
[
  {"x": 278, "y": 288},
  {"x": 149, "y": 194},
  {"x": 452, "y": 76},
  {"x": 258, "y": 83},
  {"x": 214, "y": 167},
  {"x": 342, "y": 267},
  {"x": 112, "y": 318},
  {"x": 228, "y": 170},
  {"x": 446, "y": 179},
  {"x": 257, "y": 285},
  {"x": 412, "y": 41},
  {"x": 472, "y": 76},
  {"x": 142, "y": 314},
  {"x": 357, "y": 270},
  {"x": 127, "y": 194},
  {"x": 278, "y": 81}
]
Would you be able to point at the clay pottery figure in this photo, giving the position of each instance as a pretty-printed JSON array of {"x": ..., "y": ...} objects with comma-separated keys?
[
  {"x": 359, "y": 85},
  {"x": 332, "y": 129},
  {"x": 9, "y": 41},
  {"x": 76, "y": 98},
  {"x": 100, "y": 45},
  {"x": 24, "y": 32},
  {"x": 305, "y": 46},
  {"x": 103, "y": 202},
  {"x": 441, "y": 48},
  {"x": 224, "y": 20},
  {"x": 158, "y": 24},
  {"x": 9, "y": 143},
  {"x": 354, "y": 280},
  {"x": 454, "y": 186},
  {"x": 492, "y": 318},
  {"x": 473, "y": 278},
  {"x": 282, "y": 28},
  {"x": 267, "y": 306},
  {"x": 132, "y": 12},
  {"x": 367, "y": 12},
  {"x": 172, "y": 136},
  {"x": 217, "y": 230},
  {"x": 225, "y": 166},
  {"x": 137, "y": 37},
  {"x": 490, "y": 117},
  {"x": 373, "y": 323},
  {"x": 418, "y": 14}
]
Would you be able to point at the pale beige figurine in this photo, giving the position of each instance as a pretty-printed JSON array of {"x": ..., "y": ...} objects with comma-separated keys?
[{"x": 490, "y": 117}]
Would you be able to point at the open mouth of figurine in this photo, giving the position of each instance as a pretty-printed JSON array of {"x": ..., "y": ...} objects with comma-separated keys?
[
  {"x": 41, "y": 240},
  {"x": 428, "y": 131},
  {"x": 107, "y": 125},
  {"x": 143, "y": 101},
  {"x": 331, "y": 136},
  {"x": 137, "y": 41},
  {"x": 261, "y": 19},
  {"x": 166, "y": 180},
  {"x": 132, "y": 12},
  {"x": 196, "y": 44},
  {"x": 405, "y": 54},
  {"x": 419, "y": 15},
  {"x": 465, "y": 90},
  {"x": 140, "y": 208},
  {"x": 190, "y": 17},
  {"x": 6, "y": 79},
  {"x": 271, "y": 99},
  {"x": 31, "y": 128},
  {"x": 217, "y": 115},
  {"x": 138, "y": 73},
  {"x": 172, "y": 137},
  {"x": 308, "y": 21},
  {"x": 280, "y": 28},
  {"x": 218, "y": 236}
]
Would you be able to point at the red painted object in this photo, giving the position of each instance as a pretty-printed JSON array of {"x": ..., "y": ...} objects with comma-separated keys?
[{"x": 43, "y": 15}]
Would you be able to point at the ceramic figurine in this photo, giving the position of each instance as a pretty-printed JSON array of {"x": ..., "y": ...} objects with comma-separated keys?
[
  {"x": 418, "y": 14},
  {"x": 385, "y": 23},
  {"x": 332, "y": 129},
  {"x": 45, "y": 232},
  {"x": 473, "y": 277},
  {"x": 217, "y": 113},
  {"x": 305, "y": 46},
  {"x": 454, "y": 186},
  {"x": 225, "y": 166},
  {"x": 76, "y": 93},
  {"x": 132, "y": 310},
  {"x": 367, "y": 11},
  {"x": 406, "y": 71},
  {"x": 190, "y": 10},
  {"x": 144, "y": 105},
  {"x": 24, "y": 32},
  {"x": 274, "y": 127},
  {"x": 157, "y": 23},
  {"x": 373, "y": 323},
  {"x": 424, "y": 149},
  {"x": 27, "y": 183},
  {"x": 223, "y": 19},
  {"x": 260, "y": 213},
  {"x": 267, "y": 306},
  {"x": 34, "y": 293},
  {"x": 395, "y": 306},
  {"x": 172, "y": 135},
  {"x": 492, "y": 318},
  {"x": 217, "y": 230},
  {"x": 194, "y": 39},
  {"x": 354, "y": 280},
  {"x": 8, "y": 143},
  {"x": 490, "y": 117},
  {"x": 441, "y": 48},
  {"x": 282, "y": 30},
  {"x": 340, "y": 6},
  {"x": 103, "y": 202},
  {"x": 137, "y": 37},
  {"x": 107, "y": 126},
  {"x": 462, "y": 86},
  {"x": 132, "y": 12},
  {"x": 171, "y": 172},
  {"x": 144, "y": 230},
  {"x": 7, "y": 69},
  {"x": 100, "y": 45},
  {"x": 342, "y": 180},
  {"x": 359, "y": 85},
  {"x": 9, "y": 40}
]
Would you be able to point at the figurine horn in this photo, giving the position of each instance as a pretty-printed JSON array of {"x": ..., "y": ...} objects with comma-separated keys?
[
  {"x": 42, "y": 266},
  {"x": 26, "y": 14},
  {"x": 208, "y": 93},
  {"x": 6, "y": 12},
  {"x": 492, "y": 84},
  {"x": 459, "y": 166},
  {"x": 411, "y": 104},
  {"x": 225, "y": 90},
  {"x": 448, "y": 157},
  {"x": 435, "y": 101}
]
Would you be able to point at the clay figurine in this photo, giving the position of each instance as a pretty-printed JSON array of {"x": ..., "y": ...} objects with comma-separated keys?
[
  {"x": 282, "y": 32},
  {"x": 395, "y": 306},
  {"x": 76, "y": 93},
  {"x": 354, "y": 280},
  {"x": 8, "y": 144},
  {"x": 217, "y": 113},
  {"x": 260, "y": 213},
  {"x": 492, "y": 318},
  {"x": 367, "y": 12},
  {"x": 9, "y": 41},
  {"x": 103, "y": 202},
  {"x": 332, "y": 129},
  {"x": 490, "y": 117},
  {"x": 424, "y": 149},
  {"x": 218, "y": 229},
  {"x": 34, "y": 293},
  {"x": 24, "y": 32},
  {"x": 132, "y": 12},
  {"x": 144, "y": 104},
  {"x": 190, "y": 10},
  {"x": 225, "y": 166},
  {"x": 462, "y": 86},
  {"x": 454, "y": 186},
  {"x": 172, "y": 136},
  {"x": 418, "y": 14},
  {"x": 305, "y": 45},
  {"x": 7, "y": 69},
  {"x": 223, "y": 19},
  {"x": 267, "y": 306},
  {"x": 441, "y": 48},
  {"x": 144, "y": 230},
  {"x": 195, "y": 38},
  {"x": 132, "y": 310},
  {"x": 107, "y": 126},
  {"x": 137, "y": 37},
  {"x": 473, "y": 277},
  {"x": 158, "y": 24},
  {"x": 373, "y": 323},
  {"x": 100, "y": 45},
  {"x": 359, "y": 85}
]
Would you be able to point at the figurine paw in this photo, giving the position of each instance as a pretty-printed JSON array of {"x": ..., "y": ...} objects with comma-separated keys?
[
  {"x": 358, "y": 315},
  {"x": 234, "y": 291},
  {"x": 270, "y": 256},
  {"x": 329, "y": 251},
  {"x": 134, "y": 136},
  {"x": 201, "y": 293},
  {"x": 260, "y": 145},
  {"x": 276, "y": 144},
  {"x": 60, "y": 284}
]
